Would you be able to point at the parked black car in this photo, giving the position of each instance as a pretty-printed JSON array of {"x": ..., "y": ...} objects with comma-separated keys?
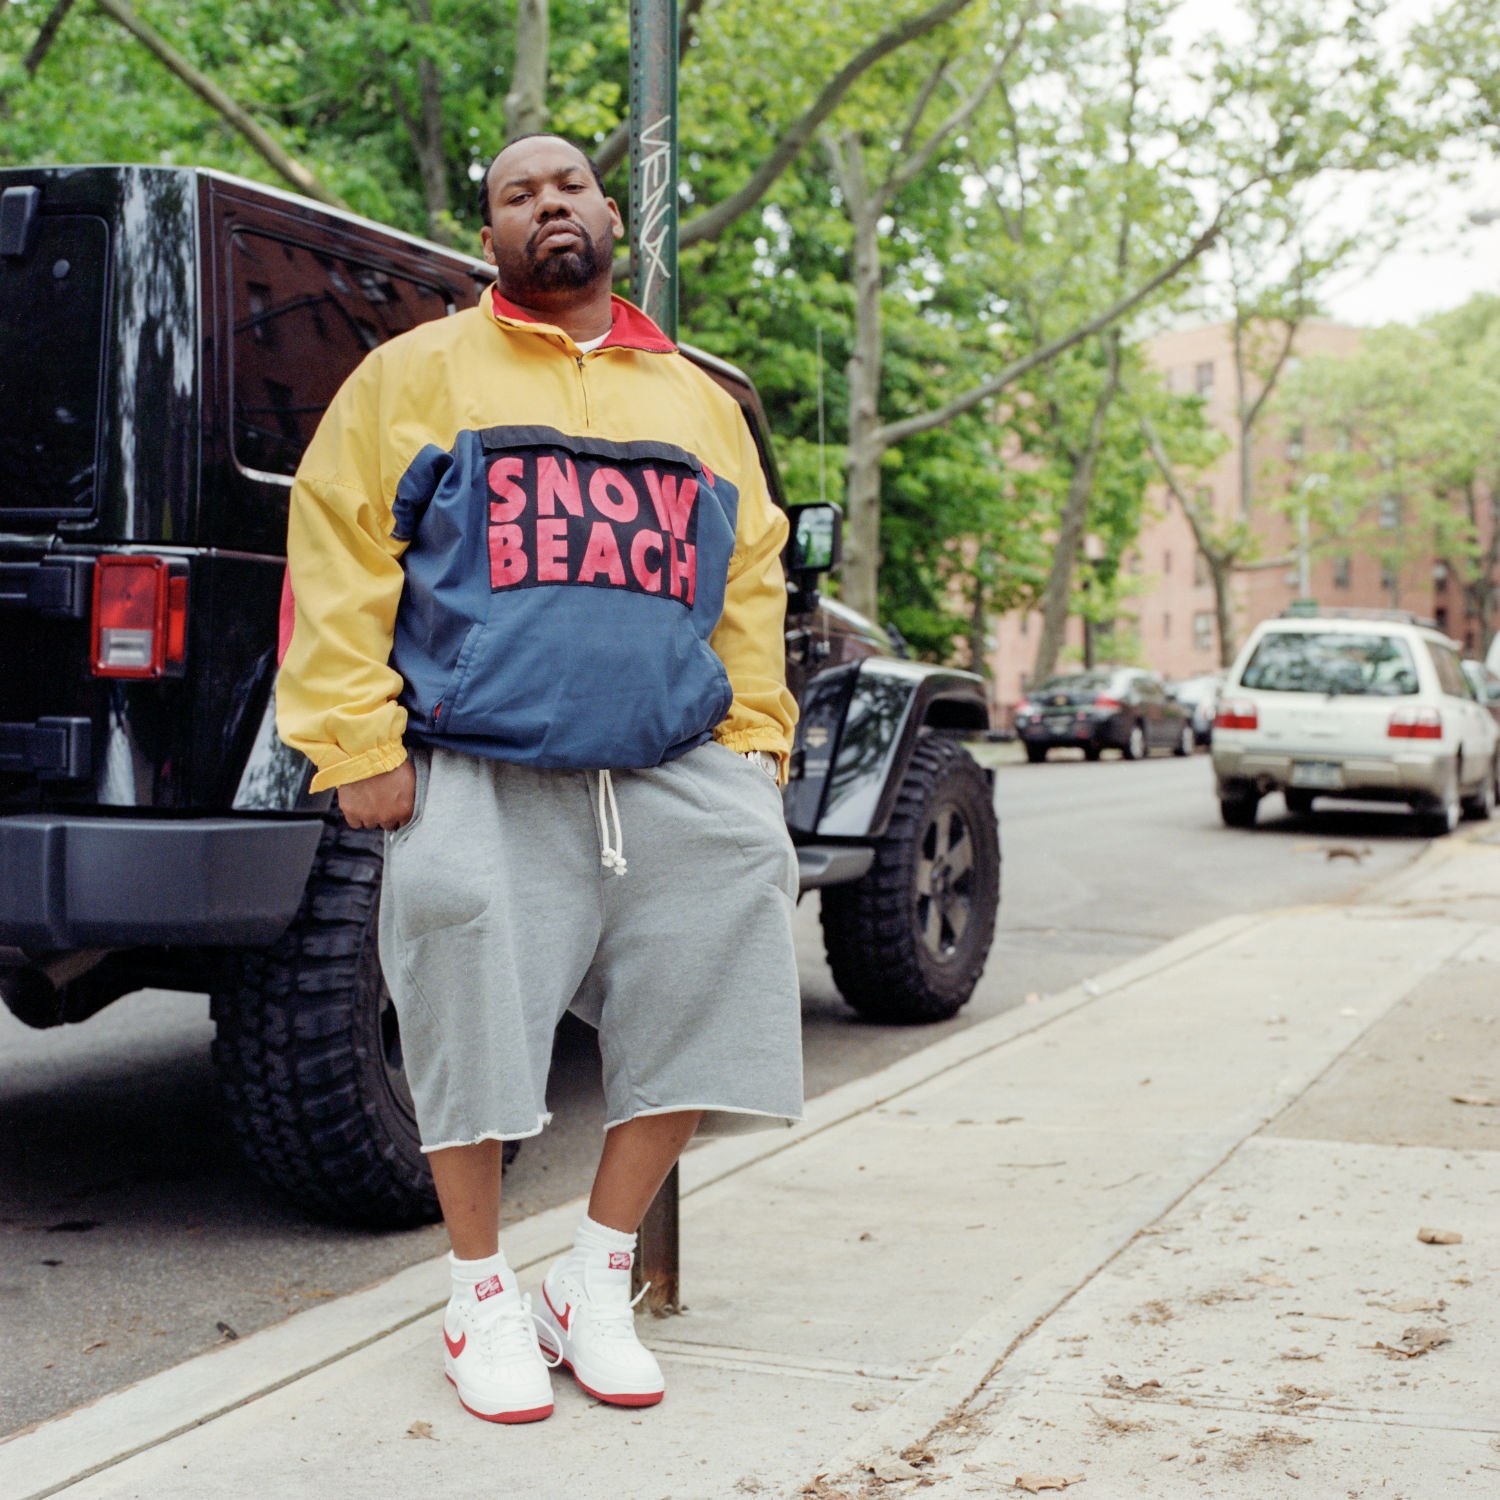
[
  {"x": 1122, "y": 708},
  {"x": 169, "y": 338}
]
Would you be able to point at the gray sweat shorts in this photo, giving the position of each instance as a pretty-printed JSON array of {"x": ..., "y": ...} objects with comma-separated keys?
[{"x": 497, "y": 914}]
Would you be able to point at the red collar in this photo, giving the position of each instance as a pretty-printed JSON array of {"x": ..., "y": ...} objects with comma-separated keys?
[{"x": 630, "y": 328}]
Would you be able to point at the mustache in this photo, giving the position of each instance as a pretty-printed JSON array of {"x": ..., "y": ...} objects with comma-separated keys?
[{"x": 573, "y": 224}]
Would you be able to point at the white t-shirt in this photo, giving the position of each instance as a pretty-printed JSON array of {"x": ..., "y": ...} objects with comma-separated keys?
[{"x": 587, "y": 344}]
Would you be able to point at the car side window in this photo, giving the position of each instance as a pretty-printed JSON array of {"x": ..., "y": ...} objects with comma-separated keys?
[
  {"x": 1450, "y": 675},
  {"x": 303, "y": 319}
]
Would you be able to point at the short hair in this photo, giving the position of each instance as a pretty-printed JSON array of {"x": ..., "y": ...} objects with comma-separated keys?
[{"x": 531, "y": 135}]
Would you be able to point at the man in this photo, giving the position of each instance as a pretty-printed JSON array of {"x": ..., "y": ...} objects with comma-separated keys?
[{"x": 539, "y": 618}]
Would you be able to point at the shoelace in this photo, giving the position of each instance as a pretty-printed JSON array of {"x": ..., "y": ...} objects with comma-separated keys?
[
  {"x": 611, "y": 849},
  {"x": 513, "y": 1334},
  {"x": 616, "y": 1320}
]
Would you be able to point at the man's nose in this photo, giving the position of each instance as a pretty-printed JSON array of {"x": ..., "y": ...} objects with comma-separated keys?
[{"x": 550, "y": 201}]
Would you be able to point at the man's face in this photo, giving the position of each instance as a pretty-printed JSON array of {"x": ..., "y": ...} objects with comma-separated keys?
[{"x": 551, "y": 229}]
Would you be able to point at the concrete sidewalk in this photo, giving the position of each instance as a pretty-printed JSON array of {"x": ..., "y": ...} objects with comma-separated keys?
[{"x": 1158, "y": 1234}]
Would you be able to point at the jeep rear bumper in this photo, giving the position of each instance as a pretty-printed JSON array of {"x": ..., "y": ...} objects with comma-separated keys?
[{"x": 74, "y": 881}]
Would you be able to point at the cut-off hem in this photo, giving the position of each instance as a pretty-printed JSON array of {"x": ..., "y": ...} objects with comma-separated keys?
[
  {"x": 708, "y": 1109},
  {"x": 543, "y": 1121}
]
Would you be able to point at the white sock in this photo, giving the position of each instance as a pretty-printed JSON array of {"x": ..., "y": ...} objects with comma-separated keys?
[
  {"x": 491, "y": 1273},
  {"x": 601, "y": 1257}
]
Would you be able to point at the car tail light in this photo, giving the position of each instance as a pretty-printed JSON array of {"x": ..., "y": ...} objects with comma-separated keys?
[
  {"x": 1112, "y": 704},
  {"x": 140, "y": 616},
  {"x": 1416, "y": 724},
  {"x": 1237, "y": 713},
  {"x": 1024, "y": 706}
]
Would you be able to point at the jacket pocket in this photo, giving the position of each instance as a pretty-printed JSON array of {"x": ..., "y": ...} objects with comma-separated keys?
[{"x": 447, "y": 705}]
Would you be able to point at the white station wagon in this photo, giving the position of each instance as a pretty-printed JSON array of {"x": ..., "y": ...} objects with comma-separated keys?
[{"x": 1365, "y": 704}]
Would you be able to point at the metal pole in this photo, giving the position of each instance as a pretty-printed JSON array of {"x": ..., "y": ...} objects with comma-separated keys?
[{"x": 653, "y": 285}]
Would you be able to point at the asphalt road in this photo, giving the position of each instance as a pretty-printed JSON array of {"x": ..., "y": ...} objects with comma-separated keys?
[{"x": 131, "y": 1236}]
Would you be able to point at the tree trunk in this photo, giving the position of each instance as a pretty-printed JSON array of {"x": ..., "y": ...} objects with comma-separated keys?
[
  {"x": 1221, "y": 571},
  {"x": 426, "y": 132},
  {"x": 526, "y": 103},
  {"x": 978, "y": 621},
  {"x": 1059, "y": 591},
  {"x": 861, "y": 573}
]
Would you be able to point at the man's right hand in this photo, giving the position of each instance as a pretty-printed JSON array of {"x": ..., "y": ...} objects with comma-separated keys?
[{"x": 383, "y": 801}]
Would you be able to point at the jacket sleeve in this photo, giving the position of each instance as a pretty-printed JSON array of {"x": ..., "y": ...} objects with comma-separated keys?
[
  {"x": 750, "y": 638},
  {"x": 336, "y": 694}
]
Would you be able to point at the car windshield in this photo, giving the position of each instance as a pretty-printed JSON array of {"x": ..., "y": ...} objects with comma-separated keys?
[
  {"x": 1310, "y": 661},
  {"x": 1076, "y": 682}
]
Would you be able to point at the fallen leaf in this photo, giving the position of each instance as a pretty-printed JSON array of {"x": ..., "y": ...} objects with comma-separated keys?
[
  {"x": 1035, "y": 1483},
  {"x": 1484, "y": 1101},
  {"x": 1415, "y": 1342},
  {"x": 97, "y": 1344},
  {"x": 892, "y": 1470},
  {"x": 420, "y": 1430},
  {"x": 867, "y": 1406},
  {"x": 226, "y": 1331},
  {"x": 1117, "y": 1384},
  {"x": 1271, "y": 1279},
  {"x": 1440, "y": 1237},
  {"x": 1412, "y": 1304}
]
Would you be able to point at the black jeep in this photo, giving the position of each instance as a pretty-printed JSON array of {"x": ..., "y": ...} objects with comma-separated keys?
[{"x": 168, "y": 340}]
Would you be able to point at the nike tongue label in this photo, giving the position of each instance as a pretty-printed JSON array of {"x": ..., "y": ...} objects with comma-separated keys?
[
  {"x": 488, "y": 1287},
  {"x": 619, "y": 1260}
]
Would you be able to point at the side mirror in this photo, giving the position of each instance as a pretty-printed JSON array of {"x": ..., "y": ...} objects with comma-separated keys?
[{"x": 817, "y": 540}]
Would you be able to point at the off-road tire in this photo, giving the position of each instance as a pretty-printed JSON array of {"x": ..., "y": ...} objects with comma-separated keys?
[
  {"x": 1239, "y": 812},
  {"x": 1036, "y": 754},
  {"x": 1298, "y": 801},
  {"x": 308, "y": 1053},
  {"x": 888, "y": 942}
]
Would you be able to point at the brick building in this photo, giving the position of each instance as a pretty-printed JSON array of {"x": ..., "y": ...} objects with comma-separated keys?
[{"x": 1173, "y": 613}]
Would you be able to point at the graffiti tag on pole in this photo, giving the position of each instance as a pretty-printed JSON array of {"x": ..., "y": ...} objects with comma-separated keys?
[{"x": 655, "y": 210}]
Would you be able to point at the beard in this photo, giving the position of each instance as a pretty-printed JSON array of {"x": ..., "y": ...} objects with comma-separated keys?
[{"x": 548, "y": 269}]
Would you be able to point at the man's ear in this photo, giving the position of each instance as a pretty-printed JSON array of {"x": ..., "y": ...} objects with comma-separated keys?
[
  {"x": 617, "y": 224},
  {"x": 487, "y": 243}
]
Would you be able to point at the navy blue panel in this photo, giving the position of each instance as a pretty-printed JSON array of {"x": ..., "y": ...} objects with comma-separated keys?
[{"x": 560, "y": 595}]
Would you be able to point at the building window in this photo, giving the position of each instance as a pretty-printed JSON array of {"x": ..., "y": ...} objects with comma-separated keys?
[
  {"x": 1387, "y": 577},
  {"x": 1390, "y": 512},
  {"x": 1296, "y": 442},
  {"x": 1341, "y": 571},
  {"x": 1166, "y": 624},
  {"x": 1166, "y": 561},
  {"x": 1025, "y": 624},
  {"x": 1440, "y": 619},
  {"x": 1203, "y": 379},
  {"x": 1200, "y": 570},
  {"x": 1203, "y": 631}
]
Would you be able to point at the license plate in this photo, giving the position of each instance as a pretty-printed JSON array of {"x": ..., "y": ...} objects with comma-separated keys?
[
  {"x": 1059, "y": 723},
  {"x": 1317, "y": 773}
]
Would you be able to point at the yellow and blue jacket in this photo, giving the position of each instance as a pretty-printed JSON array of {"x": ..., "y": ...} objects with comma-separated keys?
[{"x": 508, "y": 546}]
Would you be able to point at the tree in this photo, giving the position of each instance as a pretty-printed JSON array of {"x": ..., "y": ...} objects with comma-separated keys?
[{"x": 1403, "y": 439}]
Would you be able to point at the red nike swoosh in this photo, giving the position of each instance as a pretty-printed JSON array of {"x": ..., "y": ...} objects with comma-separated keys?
[
  {"x": 455, "y": 1349},
  {"x": 562, "y": 1317}
]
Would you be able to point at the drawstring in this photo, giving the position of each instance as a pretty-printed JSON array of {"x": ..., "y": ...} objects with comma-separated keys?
[{"x": 611, "y": 850}]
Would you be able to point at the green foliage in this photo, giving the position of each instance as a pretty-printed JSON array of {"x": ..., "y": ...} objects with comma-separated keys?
[{"x": 1403, "y": 443}]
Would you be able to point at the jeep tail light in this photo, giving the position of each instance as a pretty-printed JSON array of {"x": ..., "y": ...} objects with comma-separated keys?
[
  {"x": 1416, "y": 724},
  {"x": 1237, "y": 713},
  {"x": 1023, "y": 707},
  {"x": 140, "y": 617},
  {"x": 1105, "y": 702}
]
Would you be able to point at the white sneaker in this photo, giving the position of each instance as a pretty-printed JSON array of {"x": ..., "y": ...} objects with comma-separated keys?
[
  {"x": 491, "y": 1355},
  {"x": 587, "y": 1322}
]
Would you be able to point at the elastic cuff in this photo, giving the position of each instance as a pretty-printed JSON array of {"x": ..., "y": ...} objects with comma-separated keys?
[
  {"x": 742, "y": 740},
  {"x": 359, "y": 767}
]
